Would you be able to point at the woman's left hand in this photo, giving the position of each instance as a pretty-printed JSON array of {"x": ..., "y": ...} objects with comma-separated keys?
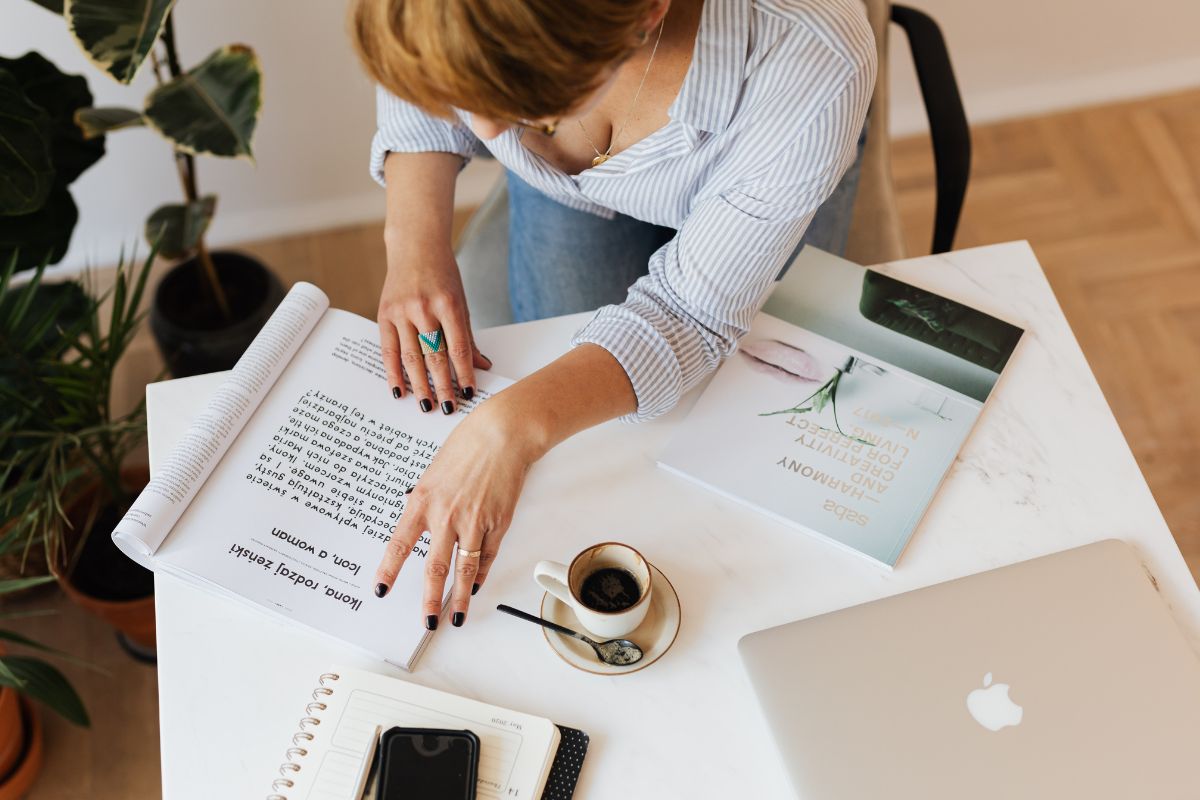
[{"x": 465, "y": 501}]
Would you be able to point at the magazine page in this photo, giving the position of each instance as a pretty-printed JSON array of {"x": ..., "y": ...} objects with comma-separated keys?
[
  {"x": 172, "y": 487},
  {"x": 296, "y": 517},
  {"x": 858, "y": 470},
  {"x": 846, "y": 422}
]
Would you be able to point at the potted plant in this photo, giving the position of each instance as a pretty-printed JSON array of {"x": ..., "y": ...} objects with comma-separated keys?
[
  {"x": 208, "y": 308},
  {"x": 39, "y": 334},
  {"x": 25, "y": 678},
  {"x": 44, "y": 152},
  {"x": 65, "y": 448}
]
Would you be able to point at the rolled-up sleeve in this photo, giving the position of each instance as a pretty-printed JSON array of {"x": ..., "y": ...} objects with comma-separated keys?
[
  {"x": 404, "y": 128},
  {"x": 705, "y": 286}
]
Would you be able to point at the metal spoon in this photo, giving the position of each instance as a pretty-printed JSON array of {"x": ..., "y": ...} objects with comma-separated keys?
[{"x": 618, "y": 652}]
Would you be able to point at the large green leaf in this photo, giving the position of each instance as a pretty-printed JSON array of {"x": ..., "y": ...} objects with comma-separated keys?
[
  {"x": 35, "y": 678},
  {"x": 95, "y": 122},
  {"x": 26, "y": 171},
  {"x": 43, "y": 229},
  {"x": 178, "y": 228},
  {"x": 42, "y": 235},
  {"x": 213, "y": 108},
  {"x": 59, "y": 95},
  {"x": 117, "y": 35}
]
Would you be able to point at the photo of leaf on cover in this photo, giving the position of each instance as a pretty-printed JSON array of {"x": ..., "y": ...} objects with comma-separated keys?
[{"x": 843, "y": 419}]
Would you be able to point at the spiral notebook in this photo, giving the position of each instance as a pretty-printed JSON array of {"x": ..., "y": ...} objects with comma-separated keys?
[{"x": 521, "y": 756}]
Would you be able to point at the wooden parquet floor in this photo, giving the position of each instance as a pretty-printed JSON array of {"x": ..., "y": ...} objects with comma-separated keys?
[{"x": 1108, "y": 196}]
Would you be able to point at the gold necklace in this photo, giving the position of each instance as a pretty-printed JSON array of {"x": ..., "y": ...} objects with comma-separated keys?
[{"x": 607, "y": 154}]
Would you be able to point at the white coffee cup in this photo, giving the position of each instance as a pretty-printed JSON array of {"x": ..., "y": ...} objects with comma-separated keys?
[{"x": 566, "y": 582}]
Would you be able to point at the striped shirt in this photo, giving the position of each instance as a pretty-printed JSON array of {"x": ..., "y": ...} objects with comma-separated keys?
[{"x": 765, "y": 123}]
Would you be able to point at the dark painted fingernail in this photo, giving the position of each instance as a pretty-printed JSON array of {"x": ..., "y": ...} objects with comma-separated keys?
[
  {"x": 380, "y": 589},
  {"x": 468, "y": 392},
  {"x": 426, "y": 406},
  {"x": 485, "y": 358},
  {"x": 474, "y": 589},
  {"x": 396, "y": 392},
  {"x": 457, "y": 619},
  {"x": 409, "y": 490},
  {"x": 431, "y": 622},
  {"x": 447, "y": 407}
]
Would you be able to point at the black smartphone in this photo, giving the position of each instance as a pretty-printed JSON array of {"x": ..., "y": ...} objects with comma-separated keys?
[{"x": 427, "y": 764}]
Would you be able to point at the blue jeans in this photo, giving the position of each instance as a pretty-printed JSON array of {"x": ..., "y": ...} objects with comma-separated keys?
[{"x": 561, "y": 261}]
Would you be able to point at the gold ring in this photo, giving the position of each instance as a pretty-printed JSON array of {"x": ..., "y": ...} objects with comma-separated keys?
[{"x": 469, "y": 553}]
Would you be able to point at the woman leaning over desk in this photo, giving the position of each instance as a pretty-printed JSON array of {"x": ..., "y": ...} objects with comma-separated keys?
[{"x": 665, "y": 158}]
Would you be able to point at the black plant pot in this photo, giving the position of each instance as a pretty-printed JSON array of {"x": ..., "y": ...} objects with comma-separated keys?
[
  {"x": 102, "y": 580},
  {"x": 192, "y": 334}
]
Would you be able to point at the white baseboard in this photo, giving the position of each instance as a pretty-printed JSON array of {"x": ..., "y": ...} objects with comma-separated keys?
[{"x": 908, "y": 115}]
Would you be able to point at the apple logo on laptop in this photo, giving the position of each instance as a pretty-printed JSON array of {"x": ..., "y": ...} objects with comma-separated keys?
[{"x": 992, "y": 707}]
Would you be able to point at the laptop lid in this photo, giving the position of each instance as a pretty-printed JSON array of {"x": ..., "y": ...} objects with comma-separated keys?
[{"x": 1064, "y": 676}]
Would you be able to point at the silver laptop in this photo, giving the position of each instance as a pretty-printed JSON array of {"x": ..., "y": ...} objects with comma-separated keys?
[{"x": 1060, "y": 677}]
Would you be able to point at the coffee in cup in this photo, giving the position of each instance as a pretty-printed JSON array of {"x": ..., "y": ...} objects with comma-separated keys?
[
  {"x": 610, "y": 589},
  {"x": 608, "y": 586}
]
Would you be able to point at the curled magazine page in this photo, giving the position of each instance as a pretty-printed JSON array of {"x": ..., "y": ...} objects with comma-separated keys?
[{"x": 172, "y": 488}]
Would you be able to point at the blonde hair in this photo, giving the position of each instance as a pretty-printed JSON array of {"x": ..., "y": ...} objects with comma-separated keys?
[{"x": 503, "y": 59}]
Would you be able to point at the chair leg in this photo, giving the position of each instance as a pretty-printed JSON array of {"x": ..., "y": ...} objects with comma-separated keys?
[{"x": 947, "y": 120}]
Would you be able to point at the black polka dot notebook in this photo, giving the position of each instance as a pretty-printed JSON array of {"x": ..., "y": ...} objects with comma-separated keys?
[
  {"x": 331, "y": 752},
  {"x": 564, "y": 773}
]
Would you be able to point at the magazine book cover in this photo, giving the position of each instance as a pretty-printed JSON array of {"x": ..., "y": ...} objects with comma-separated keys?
[{"x": 845, "y": 423}]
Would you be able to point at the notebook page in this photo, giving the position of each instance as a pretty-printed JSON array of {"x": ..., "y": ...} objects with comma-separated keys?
[
  {"x": 515, "y": 748},
  {"x": 174, "y": 485}
]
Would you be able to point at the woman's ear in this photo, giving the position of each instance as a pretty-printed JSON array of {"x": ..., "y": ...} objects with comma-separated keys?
[{"x": 658, "y": 10}]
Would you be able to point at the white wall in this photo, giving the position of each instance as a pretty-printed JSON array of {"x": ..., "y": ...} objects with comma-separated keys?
[
  {"x": 310, "y": 147},
  {"x": 1013, "y": 57},
  {"x": 316, "y": 122}
]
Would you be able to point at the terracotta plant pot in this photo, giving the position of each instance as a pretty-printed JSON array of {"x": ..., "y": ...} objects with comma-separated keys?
[
  {"x": 12, "y": 732},
  {"x": 132, "y": 616},
  {"x": 20, "y": 745}
]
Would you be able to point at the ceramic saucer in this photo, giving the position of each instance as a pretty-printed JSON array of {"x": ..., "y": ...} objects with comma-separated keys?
[{"x": 655, "y": 635}]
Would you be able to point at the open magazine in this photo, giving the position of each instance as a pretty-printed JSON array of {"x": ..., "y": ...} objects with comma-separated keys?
[{"x": 286, "y": 488}]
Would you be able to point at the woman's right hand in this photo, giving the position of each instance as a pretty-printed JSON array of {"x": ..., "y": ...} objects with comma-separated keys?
[{"x": 423, "y": 293}]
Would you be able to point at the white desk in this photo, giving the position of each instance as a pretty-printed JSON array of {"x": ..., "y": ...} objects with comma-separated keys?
[{"x": 1046, "y": 469}]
